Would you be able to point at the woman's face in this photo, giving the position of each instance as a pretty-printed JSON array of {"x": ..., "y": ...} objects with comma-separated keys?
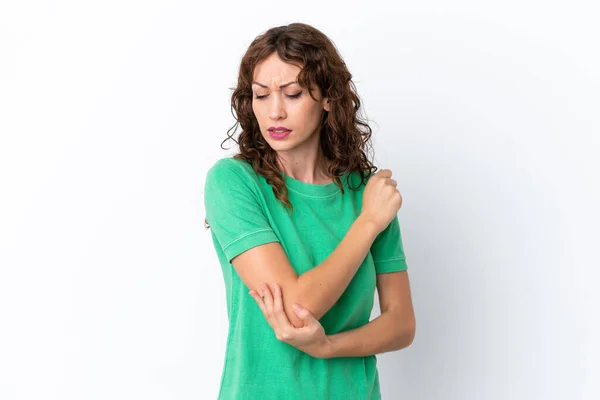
[{"x": 289, "y": 106}]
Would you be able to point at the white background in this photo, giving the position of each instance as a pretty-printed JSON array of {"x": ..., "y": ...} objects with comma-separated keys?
[{"x": 111, "y": 113}]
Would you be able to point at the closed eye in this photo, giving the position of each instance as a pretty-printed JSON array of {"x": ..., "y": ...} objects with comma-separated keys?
[{"x": 292, "y": 96}]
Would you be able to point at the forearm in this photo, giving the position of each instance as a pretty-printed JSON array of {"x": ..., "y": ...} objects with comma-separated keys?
[
  {"x": 319, "y": 288},
  {"x": 387, "y": 332}
]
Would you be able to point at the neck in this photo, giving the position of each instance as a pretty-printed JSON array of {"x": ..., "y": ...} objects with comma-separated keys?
[{"x": 308, "y": 168}]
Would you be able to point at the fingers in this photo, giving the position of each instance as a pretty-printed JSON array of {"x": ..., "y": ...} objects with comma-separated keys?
[
  {"x": 306, "y": 317},
  {"x": 271, "y": 305},
  {"x": 265, "y": 303},
  {"x": 278, "y": 310},
  {"x": 259, "y": 301},
  {"x": 267, "y": 298},
  {"x": 272, "y": 309},
  {"x": 384, "y": 173}
]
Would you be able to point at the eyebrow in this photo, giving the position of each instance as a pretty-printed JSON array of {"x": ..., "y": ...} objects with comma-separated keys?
[{"x": 281, "y": 87}]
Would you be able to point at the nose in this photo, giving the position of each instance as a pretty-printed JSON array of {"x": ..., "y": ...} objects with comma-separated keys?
[{"x": 277, "y": 111}]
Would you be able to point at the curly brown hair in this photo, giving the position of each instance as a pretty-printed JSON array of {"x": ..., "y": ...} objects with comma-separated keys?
[{"x": 345, "y": 137}]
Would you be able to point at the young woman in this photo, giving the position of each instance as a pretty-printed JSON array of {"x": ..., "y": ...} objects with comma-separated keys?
[{"x": 300, "y": 218}]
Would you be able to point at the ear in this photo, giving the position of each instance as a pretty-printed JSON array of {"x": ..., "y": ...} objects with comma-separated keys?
[{"x": 326, "y": 104}]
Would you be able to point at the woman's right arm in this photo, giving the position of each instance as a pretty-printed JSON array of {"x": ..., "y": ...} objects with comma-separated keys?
[{"x": 319, "y": 288}]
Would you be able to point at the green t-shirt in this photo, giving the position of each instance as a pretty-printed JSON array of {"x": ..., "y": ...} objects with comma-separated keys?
[{"x": 243, "y": 212}]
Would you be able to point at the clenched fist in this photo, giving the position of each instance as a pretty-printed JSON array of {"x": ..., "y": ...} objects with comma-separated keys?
[{"x": 381, "y": 199}]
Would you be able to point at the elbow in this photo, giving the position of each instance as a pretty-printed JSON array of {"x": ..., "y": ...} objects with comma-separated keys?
[
  {"x": 406, "y": 334},
  {"x": 296, "y": 293},
  {"x": 307, "y": 305},
  {"x": 294, "y": 296},
  {"x": 289, "y": 295},
  {"x": 316, "y": 310},
  {"x": 301, "y": 295},
  {"x": 292, "y": 317},
  {"x": 412, "y": 330}
]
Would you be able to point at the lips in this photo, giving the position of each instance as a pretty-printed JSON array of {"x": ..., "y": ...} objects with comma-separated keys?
[
  {"x": 279, "y": 129},
  {"x": 279, "y": 135}
]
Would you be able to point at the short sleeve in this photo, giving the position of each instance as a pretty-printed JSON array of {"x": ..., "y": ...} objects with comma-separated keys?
[
  {"x": 233, "y": 211},
  {"x": 387, "y": 250}
]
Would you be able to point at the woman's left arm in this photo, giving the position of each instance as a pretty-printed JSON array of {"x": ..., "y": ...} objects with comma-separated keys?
[{"x": 393, "y": 330}]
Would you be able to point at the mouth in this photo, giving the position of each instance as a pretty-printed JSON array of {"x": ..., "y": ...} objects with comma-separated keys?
[
  {"x": 279, "y": 134},
  {"x": 279, "y": 129}
]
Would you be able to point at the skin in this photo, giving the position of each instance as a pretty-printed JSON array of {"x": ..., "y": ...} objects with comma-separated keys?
[
  {"x": 300, "y": 155},
  {"x": 393, "y": 330},
  {"x": 311, "y": 338},
  {"x": 301, "y": 158}
]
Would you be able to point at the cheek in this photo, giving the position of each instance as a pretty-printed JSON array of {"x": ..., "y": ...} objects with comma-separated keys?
[
  {"x": 303, "y": 110},
  {"x": 260, "y": 108},
  {"x": 257, "y": 112},
  {"x": 309, "y": 111}
]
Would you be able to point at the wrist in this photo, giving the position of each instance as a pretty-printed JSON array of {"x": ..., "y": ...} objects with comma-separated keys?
[
  {"x": 367, "y": 226},
  {"x": 328, "y": 349}
]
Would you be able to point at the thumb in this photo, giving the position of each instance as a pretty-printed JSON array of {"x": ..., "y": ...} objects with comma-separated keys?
[{"x": 303, "y": 313}]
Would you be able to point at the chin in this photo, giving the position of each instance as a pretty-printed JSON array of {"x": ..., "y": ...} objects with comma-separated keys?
[
  {"x": 280, "y": 143},
  {"x": 278, "y": 146}
]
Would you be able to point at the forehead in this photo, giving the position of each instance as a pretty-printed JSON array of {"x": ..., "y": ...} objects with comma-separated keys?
[{"x": 273, "y": 72}]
